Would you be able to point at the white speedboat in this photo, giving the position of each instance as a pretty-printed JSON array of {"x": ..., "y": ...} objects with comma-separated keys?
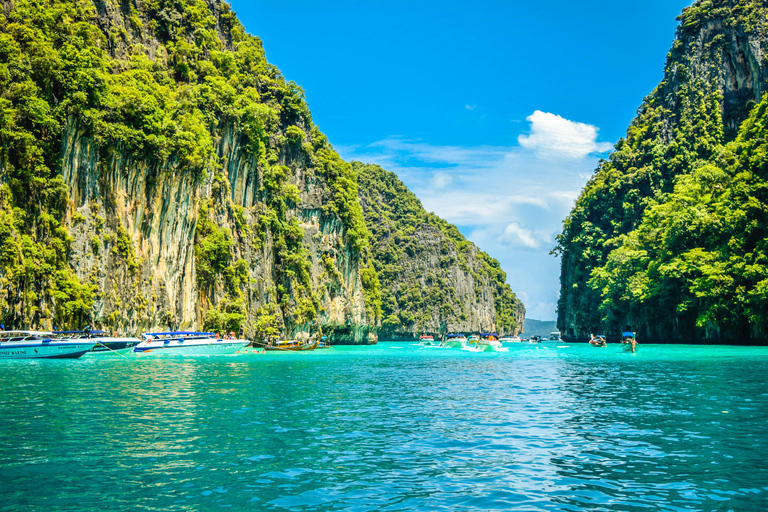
[
  {"x": 427, "y": 340},
  {"x": 510, "y": 339},
  {"x": 487, "y": 342},
  {"x": 490, "y": 345},
  {"x": 40, "y": 345},
  {"x": 187, "y": 343},
  {"x": 103, "y": 344},
  {"x": 454, "y": 341}
]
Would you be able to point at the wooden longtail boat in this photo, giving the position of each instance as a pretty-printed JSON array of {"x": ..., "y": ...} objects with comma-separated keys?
[{"x": 291, "y": 346}]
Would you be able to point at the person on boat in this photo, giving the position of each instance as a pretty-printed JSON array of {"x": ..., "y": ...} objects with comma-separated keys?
[
  {"x": 628, "y": 338},
  {"x": 597, "y": 341}
]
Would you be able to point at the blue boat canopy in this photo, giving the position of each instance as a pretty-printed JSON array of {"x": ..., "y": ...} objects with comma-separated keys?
[
  {"x": 178, "y": 333},
  {"x": 78, "y": 332},
  {"x": 455, "y": 336},
  {"x": 628, "y": 334}
]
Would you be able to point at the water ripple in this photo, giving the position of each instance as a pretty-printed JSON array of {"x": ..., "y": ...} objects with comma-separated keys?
[{"x": 371, "y": 428}]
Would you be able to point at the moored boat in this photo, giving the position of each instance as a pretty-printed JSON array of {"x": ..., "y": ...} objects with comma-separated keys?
[
  {"x": 454, "y": 341},
  {"x": 490, "y": 345},
  {"x": 598, "y": 341},
  {"x": 488, "y": 342},
  {"x": 113, "y": 345},
  {"x": 510, "y": 339},
  {"x": 103, "y": 344},
  {"x": 187, "y": 343},
  {"x": 426, "y": 340},
  {"x": 291, "y": 346},
  {"x": 628, "y": 342},
  {"x": 40, "y": 345}
]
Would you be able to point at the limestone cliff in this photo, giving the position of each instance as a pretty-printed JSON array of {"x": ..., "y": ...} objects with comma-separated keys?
[
  {"x": 655, "y": 244},
  {"x": 432, "y": 279},
  {"x": 158, "y": 173}
]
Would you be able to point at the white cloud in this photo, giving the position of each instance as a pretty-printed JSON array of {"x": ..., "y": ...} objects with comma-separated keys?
[
  {"x": 441, "y": 180},
  {"x": 462, "y": 208},
  {"x": 515, "y": 234},
  {"x": 553, "y": 135},
  {"x": 545, "y": 311},
  {"x": 509, "y": 200},
  {"x": 564, "y": 198},
  {"x": 450, "y": 156},
  {"x": 529, "y": 200}
]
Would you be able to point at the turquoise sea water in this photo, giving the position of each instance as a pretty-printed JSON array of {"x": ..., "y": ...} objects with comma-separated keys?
[{"x": 390, "y": 427}]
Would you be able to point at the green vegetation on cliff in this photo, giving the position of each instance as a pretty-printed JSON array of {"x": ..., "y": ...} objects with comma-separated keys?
[
  {"x": 159, "y": 82},
  {"x": 432, "y": 278},
  {"x": 669, "y": 237}
]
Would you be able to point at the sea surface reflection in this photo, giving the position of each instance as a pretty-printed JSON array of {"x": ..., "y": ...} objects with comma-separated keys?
[{"x": 390, "y": 427}]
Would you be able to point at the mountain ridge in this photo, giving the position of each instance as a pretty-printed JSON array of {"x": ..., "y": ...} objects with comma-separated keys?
[{"x": 433, "y": 280}]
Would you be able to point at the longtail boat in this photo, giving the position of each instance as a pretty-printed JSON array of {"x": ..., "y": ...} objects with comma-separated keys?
[{"x": 291, "y": 346}]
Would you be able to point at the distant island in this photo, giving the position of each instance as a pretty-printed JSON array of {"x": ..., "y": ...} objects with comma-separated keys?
[{"x": 539, "y": 327}]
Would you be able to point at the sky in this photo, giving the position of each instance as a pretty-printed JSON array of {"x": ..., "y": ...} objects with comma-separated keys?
[{"x": 494, "y": 113}]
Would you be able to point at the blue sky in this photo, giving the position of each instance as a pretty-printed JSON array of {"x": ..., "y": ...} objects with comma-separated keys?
[{"x": 494, "y": 113}]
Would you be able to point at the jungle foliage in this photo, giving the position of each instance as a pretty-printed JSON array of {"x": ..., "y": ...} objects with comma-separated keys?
[
  {"x": 64, "y": 63},
  {"x": 416, "y": 295},
  {"x": 669, "y": 237}
]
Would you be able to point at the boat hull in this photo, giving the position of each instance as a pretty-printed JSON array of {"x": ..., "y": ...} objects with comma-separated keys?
[
  {"x": 490, "y": 346},
  {"x": 291, "y": 348},
  {"x": 190, "y": 347},
  {"x": 49, "y": 350},
  {"x": 113, "y": 345}
]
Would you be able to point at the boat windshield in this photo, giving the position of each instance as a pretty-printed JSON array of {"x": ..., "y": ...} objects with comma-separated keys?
[
  {"x": 10, "y": 336},
  {"x": 77, "y": 334},
  {"x": 178, "y": 334}
]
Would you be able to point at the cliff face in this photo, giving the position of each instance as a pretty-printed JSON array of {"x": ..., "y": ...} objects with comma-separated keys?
[
  {"x": 432, "y": 279},
  {"x": 653, "y": 244},
  {"x": 158, "y": 173}
]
